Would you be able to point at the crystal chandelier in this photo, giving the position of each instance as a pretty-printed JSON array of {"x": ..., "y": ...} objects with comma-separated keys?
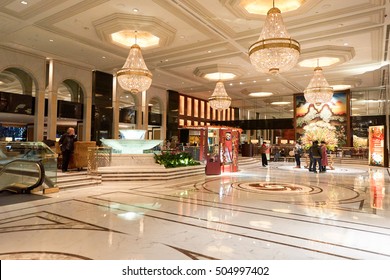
[
  {"x": 220, "y": 100},
  {"x": 275, "y": 51},
  {"x": 134, "y": 75},
  {"x": 318, "y": 91}
]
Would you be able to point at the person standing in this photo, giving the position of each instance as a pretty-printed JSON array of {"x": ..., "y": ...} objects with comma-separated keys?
[
  {"x": 310, "y": 158},
  {"x": 276, "y": 154},
  {"x": 263, "y": 151},
  {"x": 324, "y": 157},
  {"x": 297, "y": 154},
  {"x": 316, "y": 153},
  {"x": 67, "y": 146}
]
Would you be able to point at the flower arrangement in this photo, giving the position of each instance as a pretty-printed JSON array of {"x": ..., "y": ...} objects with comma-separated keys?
[
  {"x": 320, "y": 131},
  {"x": 359, "y": 142}
]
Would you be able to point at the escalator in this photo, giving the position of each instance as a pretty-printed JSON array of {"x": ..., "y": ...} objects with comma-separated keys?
[
  {"x": 25, "y": 166},
  {"x": 22, "y": 176}
]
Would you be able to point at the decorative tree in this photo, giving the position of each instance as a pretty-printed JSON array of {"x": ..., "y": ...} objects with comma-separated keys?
[{"x": 320, "y": 131}]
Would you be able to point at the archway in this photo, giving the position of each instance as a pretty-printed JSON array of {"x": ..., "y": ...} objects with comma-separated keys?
[{"x": 17, "y": 103}]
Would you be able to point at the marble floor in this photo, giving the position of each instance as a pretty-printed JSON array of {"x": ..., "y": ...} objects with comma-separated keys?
[{"x": 260, "y": 213}]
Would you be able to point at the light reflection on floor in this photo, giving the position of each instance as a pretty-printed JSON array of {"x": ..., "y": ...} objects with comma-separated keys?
[{"x": 276, "y": 212}]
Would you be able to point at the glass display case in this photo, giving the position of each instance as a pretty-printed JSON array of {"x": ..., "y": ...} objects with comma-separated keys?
[
  {"x": 218, "y": 146},
  {"x": 213, "y": 166},
  {"x": 213, "y": 142}
]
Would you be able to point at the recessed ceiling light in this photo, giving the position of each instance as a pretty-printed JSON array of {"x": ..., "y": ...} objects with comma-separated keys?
[
  {"x": 51, "y": 40},
  {"x": 260, "y": 8},
  {"x": 24, "y": 2},
  {"x": 268, "y": 80},
  {"x": 209, "y": 51},
  {"x": 135, "y": 10},
  {"x": 260, "y": 94},
  {"x": 319, "y": 61},
  {"x": 103, "y": 57},
  {"x": 219, "y": 76},
  {"x": 340, "y": 87},
  {"x": 280, "y": 103},
  {"x": 126, "y": 38}
]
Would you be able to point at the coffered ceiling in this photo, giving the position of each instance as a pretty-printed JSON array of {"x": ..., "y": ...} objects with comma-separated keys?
[{"x": 200, "y": 35}]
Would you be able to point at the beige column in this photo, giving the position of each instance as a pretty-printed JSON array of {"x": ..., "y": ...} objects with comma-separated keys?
[
  {"x": 87, "y": 115},
  {"x": 52, "y": 104},
  {"x": 164, "y": 122},
  {"x": 145, "y": 113},
  {"x": 39, "y": 117},
  {"x": 115, "y": 108}
]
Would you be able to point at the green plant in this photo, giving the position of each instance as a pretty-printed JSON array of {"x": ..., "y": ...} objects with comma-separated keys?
[{"x": 170, "y": 160}]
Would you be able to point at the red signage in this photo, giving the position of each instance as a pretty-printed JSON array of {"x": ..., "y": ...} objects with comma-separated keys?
[{"x": 376, "y": 138}]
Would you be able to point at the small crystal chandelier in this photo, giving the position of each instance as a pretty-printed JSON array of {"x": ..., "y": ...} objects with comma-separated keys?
[
  {"x": 220, "y": 100},
  {"x": 275, "y": 51},
  {"x": 134, "y": 75},
  {"x": 318, "y": 91}
]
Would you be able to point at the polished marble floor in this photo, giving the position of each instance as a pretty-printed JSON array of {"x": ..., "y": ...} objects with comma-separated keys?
[{"x": 272, "y": 213}]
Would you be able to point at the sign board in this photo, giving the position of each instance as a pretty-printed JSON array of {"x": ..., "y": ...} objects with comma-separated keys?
[{"x": 377, "y": 151}]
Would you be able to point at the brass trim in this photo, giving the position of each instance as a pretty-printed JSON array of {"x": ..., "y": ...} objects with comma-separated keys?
[
  {"x": 266, "y": 44},
  {"x": 220, "y": 98},
  {"x": 128, "y": 71}
]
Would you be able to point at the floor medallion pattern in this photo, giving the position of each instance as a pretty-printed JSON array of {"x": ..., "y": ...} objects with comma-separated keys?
[{"x": 276, "y": 188}]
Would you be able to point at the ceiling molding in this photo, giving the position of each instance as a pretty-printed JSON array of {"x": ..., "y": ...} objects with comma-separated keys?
[
  {"x": 30, "y": 11},
  {"x": 343, "y": 53},
  {"x": 80, "y": 7},
  {"x": 215, "y": 68},
  {"x": 118, "y": 22}
]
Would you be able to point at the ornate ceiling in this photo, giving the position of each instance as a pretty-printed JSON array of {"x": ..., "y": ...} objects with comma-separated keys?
[{"x": 197, "y": 37}]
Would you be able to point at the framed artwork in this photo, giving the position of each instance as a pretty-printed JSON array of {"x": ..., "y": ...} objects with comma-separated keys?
[{"x": 328, "y": 122}]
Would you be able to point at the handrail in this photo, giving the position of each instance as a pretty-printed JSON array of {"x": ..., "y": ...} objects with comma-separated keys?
[{"x": 39, "y": 182}]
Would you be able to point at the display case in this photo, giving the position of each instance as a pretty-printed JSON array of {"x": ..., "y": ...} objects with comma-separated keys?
[
  {"x": 218, "y": 146},
  {"x": 213, "y": 165}
]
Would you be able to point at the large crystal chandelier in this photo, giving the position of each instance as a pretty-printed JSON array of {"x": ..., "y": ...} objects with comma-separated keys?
[
  {"x": 220, "y": 100},
  {"x": 275, "y": 51},
  {"x": 318, "y": 91},
  {"x": 134, "y": 75}
]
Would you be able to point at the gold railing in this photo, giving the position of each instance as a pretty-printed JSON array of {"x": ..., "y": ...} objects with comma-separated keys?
[{"x": 98, "y": 157}]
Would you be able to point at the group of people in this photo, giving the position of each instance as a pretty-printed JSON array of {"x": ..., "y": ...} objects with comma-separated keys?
[{"x": 318, "y": 155}]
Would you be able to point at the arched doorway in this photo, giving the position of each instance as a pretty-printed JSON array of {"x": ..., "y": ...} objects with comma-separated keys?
[
  {"x": 17, "y": 103},
  {"x": 70, "y": 101}
]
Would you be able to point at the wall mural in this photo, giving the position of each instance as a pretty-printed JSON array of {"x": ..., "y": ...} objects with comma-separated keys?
[{"x": 327, "y": 122}]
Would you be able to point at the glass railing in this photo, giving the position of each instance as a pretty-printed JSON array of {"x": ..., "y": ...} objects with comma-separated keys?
[
  {"x": 34, "y": 152},
  {"x": 21, "y": 175}
]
